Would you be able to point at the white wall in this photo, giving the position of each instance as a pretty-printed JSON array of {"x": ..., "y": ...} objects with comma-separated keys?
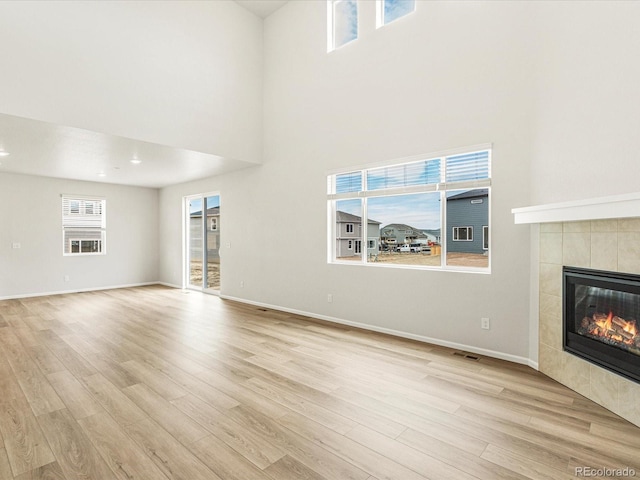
[
  {"x": 31, "y": 214},
  {"x": 587, "y": 119},
  {"x": 451, "y": 75},
  {"x": 186, "y": 74}
]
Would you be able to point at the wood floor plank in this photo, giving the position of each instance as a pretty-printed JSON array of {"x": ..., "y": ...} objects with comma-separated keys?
[
  {"x": 154, "y": 379},
  {"x": 24, "y": 442},
  {"x": 45, "y": 359},
  {"x": 77, "y": 399},
  {"x": 167, "y": 415},
  {"x": 316, "y": 458},
  {"x": 119, "y": 406},
  {"x": 455, "y": 430},
  {"x": 5, "y": 468},
  {"x": 169, "y": 455},
  {"x": 456, "y": 456},
  {"x": 258, "y": 451},
  {"x": 362, "y": 456},
  {"x": 73, "y": 361},
  {"x": 359, "y": 415},
  {"x": 225, "y": 461},
  {"x": 288, "y": 468},
  {"x": 523, "y": 465},
  {"x": 204, "y": 391},
  {"x": 74, "y": 452},
  {"x": 242, "y": 394},
  {"x": 41, "y": 396},
  {"x": 298, "y": 375},
  {"x": 51, "y": 471},
  {"x": 126, "y": 459},
  {"x": 298, "y": 404}
]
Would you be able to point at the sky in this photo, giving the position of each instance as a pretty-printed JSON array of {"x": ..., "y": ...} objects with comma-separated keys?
[
  {"x": 420, "y": 210},
  {"x": 394, "y": 9},
  {"x": 195, "y": 205},
  {"x": 345, "y": 22}
]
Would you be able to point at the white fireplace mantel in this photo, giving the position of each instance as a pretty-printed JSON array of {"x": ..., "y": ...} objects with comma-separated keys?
[{"x": 616, "y": 206}]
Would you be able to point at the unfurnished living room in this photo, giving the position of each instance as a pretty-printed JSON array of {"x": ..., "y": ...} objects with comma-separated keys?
[{"x": 319, "y": 239}]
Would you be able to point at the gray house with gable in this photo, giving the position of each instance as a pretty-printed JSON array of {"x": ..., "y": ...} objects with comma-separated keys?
[
  {"x": 468, "y": 222},
  {"x": 349, "y": 235}
]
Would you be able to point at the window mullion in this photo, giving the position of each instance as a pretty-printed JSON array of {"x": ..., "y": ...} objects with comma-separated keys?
[{"x": 364, "y": 231}]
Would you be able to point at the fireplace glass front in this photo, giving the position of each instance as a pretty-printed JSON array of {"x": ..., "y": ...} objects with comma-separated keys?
[{"x": 602, "y": 319}]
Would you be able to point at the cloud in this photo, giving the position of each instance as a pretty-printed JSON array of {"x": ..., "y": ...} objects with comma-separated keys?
[{"x": 421, "y": 210}]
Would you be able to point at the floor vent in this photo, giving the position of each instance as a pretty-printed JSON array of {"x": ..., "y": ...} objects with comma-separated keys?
[
  {"x": 466, "y": 355},
  {"x": 263, "y": 310}
]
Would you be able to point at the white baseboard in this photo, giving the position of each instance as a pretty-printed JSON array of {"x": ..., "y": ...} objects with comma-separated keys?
[
  {"x": 395, "y": 333},
  {"x": 171, "y": 285},
  {"x": 77, "y": 290}
]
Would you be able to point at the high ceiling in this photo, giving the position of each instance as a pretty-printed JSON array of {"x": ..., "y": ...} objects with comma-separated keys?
[
  {"x": 47, "y": 149},
  {"x": 262, "y": 8}
]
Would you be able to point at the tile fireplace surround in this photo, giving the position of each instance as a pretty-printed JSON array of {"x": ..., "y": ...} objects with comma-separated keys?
[{"x": 611, "y": 243}]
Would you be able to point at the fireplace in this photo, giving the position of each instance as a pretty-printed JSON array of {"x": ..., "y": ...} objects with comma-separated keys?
[{"x": 601, "y": 319}]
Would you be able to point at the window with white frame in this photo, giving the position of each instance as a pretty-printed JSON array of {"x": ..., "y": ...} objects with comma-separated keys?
[
  {"x": 389, "y": 10},
  {"x": 433, "y": 197},
  {"x": 342, "y": 21},
  {"x": 463, "y": 234},
  {"x": 83, "y": 225}
]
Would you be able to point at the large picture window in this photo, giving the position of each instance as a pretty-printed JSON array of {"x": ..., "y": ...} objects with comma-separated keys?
[
  {"x": 419, "y": 212},
  {"x": 83, "y": 225}
]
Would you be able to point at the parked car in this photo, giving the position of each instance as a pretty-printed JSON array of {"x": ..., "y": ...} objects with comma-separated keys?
[
  {"x": 415, "y": 247},
  {"x": 403, "y": 248}
]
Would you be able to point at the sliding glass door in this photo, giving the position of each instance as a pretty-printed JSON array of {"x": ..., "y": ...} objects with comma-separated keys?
[{"x": 203, "y": 242}]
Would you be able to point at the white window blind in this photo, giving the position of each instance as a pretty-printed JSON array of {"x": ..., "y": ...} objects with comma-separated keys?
[
  {"x": 348, "y": 182},
  {"x": 83, "y": 225},
  {"x": 468, "y": 166},
  {"x": 424, "y": 172}
]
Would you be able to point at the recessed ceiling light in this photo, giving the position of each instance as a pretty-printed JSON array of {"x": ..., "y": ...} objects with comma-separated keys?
[
  {"x": 102, "y": 174},
  {"x": 136, "y": 161},
  {"x": 4, "y": 154}
]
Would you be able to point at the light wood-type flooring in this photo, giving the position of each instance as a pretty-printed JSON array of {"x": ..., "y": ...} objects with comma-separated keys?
[{"x": 154, "y": 383}]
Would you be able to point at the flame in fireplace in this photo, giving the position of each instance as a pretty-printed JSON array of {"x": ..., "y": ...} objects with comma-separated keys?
[
  {"x": 604, "y": 325},
  {"x": 613, "y": 328}
]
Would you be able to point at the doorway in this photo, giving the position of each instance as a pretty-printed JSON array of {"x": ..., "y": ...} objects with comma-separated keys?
[{"x": 202, "y": 229}]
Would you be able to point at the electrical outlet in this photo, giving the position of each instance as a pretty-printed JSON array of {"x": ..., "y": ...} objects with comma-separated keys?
[
  {"x": 66, "y": 278},
  {"x": 15, "y": 245},
  {"x": 241, "y": 283},
  {"x": 484, "y": 324},
  {"x": 330, "y": 298}
]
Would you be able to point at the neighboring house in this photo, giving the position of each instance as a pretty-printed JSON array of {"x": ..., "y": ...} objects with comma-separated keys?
[
  {"x": 434, "y": 235},
  {"x": 213, "y": 233},
  {"x": 349, "y": 235},
  {"x": 399, "y": 233},
  {"x": 468, "y": 222}
]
